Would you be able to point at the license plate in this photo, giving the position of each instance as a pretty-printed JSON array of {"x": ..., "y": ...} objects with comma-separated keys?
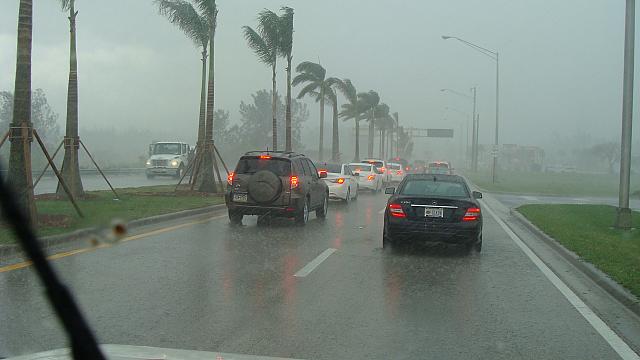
[
  {"x": 434, "y": 212},
  {"x": 239, "y": 197}
]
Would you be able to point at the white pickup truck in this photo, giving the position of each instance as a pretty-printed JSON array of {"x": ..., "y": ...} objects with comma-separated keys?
[{"x": 168, "y": 159}]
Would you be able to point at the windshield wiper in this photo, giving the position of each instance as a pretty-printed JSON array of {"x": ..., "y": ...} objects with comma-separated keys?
[{"x": 83, "y": 342}]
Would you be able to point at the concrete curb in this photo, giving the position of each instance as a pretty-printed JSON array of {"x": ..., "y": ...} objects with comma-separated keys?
[
  {"x": 603, "y": 280},
  {"x": 8, "y": 252}
]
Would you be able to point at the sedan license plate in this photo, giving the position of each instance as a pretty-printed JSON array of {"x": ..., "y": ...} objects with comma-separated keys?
[
  {"x": 239, "y": 197},
  {"x": 434, "y": 212}
]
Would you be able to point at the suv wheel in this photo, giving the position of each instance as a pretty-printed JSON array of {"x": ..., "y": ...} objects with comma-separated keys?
[
  {"x": 303, "y": 215},
  {"x": 235, "y": 217},
  {"x": 322, "y": 211}
]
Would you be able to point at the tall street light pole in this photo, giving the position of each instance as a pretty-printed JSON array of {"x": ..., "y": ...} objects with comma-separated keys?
[
  {"x": 495, "y": 56},
  {"x": 623, "y": 219}
]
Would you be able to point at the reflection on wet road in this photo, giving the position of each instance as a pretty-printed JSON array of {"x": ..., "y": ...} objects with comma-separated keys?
[{"x": 215, "y": 287}]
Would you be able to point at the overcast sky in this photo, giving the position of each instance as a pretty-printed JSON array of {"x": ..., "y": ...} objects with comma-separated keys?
[{"x": 561, "y": 61}]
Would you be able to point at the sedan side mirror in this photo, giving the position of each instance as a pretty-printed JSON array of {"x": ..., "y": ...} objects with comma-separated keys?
[
  {"x": 390, "y": 190},
  {"x": 477, "y": 194}
]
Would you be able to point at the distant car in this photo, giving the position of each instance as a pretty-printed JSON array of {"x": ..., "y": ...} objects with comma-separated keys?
[
  {"x": 433, "y": 208},
  {"x": 439, "y": 167},
  {"x": 396, "y": 171},
  {"x": 282, "y": 184},
  {"x": 342, "y": 183},
  {"x": 367, "y": 175},
  {"x": 381, "y": 167}
]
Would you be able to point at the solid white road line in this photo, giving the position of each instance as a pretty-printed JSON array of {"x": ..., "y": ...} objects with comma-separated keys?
[
  {"x": 600, "y": 326},
  {"x": 307, "y": 269},
  {"x": 382, "y": 210},
  {"x": 530, "y": 198}
]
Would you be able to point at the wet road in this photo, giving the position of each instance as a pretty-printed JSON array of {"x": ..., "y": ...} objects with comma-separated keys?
[
  {"x": 48, "y": 184},
  {"x": 283, "y": 291}
]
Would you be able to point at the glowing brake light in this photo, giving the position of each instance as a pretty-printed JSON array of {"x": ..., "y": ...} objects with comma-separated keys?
[
  {"x": 230, "y": 178},
  {"x": 265, "y": 157},
  {"x": 371, "y": 177},
  {"x": 382, "y": 169},
  {"x": 293, "y": 180},
  {"x": 399, "y": 172},
  {"x": 472, "y": 214},
  {"x": 396, "y": 210},
  {"x": 340, "y": 180},
  {"x": 321, "y": 172}
]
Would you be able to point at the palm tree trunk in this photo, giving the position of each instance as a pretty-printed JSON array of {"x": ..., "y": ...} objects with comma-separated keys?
[
  {"x": 20, "y": 152},
  {"x": 321, "y": 122},
  {"x": 335, "y": 146},
  {"x": 288, "y": 145},
  {"x": 357, "y": 154},
  {"x": 203, "y": 98},
  {"x": 274, "y": 106},
  {"x": 383, "y": 139},
  {"x": 371, "y": 135},
  {"x": 208, "y": 182},
  {"x": 70, "y": 167}
]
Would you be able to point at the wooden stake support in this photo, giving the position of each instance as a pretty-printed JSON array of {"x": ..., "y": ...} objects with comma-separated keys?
[{"x": 99, "y": 170}]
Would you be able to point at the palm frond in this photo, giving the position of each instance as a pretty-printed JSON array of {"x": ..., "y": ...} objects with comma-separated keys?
[
  {"x": 286, "y": 32},
  {"x": 347, "y": 89},
  {"x": 65, "y": 5},
  {"x": 186, "y": 17},
  {"x": 312, "y": 68},
  {"x": 258, "y": 44},
  {"x": 303, "y": 77},
  {"x": 269, "y": 27},
  {"x": 309, "y": 89},
  {"x": 209, "y": 10}
]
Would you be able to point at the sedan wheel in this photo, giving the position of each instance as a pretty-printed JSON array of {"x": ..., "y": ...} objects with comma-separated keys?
[{"x": 348, "y": 198}]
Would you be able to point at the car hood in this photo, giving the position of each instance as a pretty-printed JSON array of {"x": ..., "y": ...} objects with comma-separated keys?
[
  {"x": 129, "y": 352},
  {"x": 164, "y": 157}
]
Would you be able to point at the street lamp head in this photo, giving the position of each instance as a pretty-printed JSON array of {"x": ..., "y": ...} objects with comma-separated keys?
[
  {"x": 443, "y": 90},
  {"x": 445, "y": 37}
]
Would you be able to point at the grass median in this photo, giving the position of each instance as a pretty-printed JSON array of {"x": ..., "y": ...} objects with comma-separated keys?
[
  {"x": 587, "y": 230},
  {"x": 569, "y": 184},
  {"x": 100, "y": 209}
]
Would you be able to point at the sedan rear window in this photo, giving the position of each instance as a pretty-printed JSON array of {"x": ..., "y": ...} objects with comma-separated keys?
[
  {"x": 377, "y": 164},
  {"x": 332, "y": 168},
  {"x": 426, "y": 187},
  {"x": 359, "y": 168},
  {"x": 279, "y": 167}
]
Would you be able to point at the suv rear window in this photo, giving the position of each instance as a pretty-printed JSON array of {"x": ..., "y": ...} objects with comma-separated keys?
[
  {"x": 426, "y": 187},
  {"x": 251, "y": 165}
]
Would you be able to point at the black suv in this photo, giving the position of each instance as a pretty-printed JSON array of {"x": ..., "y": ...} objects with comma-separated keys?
[{"x": 276, "y": 183}]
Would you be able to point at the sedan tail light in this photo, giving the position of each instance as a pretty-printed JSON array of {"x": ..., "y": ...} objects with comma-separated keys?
[
  {"x": 340, "y": 180},
  {"x": 230, "y": 178},
  {"x": 472, "y": 214},
  {"x": 371, "y": 177},
  {"x": 399, "y": 172},
  {"x": 396, "y": 210},
  {"x": 293, "y": 180}
]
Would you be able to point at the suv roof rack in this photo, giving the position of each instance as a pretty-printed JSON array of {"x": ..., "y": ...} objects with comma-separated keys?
[{"x": 289, "y": 154}]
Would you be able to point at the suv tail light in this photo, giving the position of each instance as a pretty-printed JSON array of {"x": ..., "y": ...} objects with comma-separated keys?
[
  {"x": 371, "y": 177},
  {"x": 472, "y": 214},
  {"x": 320, "y": 172},
  {"x": 230, "y": 177},
  {"x": 396, "y": 210},
  {"x": 293, "y": 180}
]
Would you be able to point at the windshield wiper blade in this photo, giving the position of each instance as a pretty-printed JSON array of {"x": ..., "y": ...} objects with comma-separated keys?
[{"x": 81, "y": 337}]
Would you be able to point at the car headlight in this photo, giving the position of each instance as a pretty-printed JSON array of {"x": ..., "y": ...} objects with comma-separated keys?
[
  {"x": 148, "y": 162},
  {"x": 174, "y": 163}
]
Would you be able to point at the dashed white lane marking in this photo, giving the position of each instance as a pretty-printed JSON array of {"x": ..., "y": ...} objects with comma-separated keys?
[
  {"x": 381, "y": 211},
  {"x": 530, "y": 198},
  {"x": 600, "y": 326},
  {"x": 307, "y": 269}
]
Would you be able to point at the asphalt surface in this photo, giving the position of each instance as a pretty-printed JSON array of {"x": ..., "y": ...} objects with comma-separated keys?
[
  {"x": 49, "y": 184},
  {"x": 205, "y": 285}
]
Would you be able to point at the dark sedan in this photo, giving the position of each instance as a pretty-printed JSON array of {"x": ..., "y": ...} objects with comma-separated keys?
[{"x": 433, "y": 208}]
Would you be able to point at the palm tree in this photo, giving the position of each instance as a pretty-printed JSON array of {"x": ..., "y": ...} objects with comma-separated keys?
[
  {"x": 370, "y": 101},
  {"x": 20, "y": 151},
  {"x": 285, "y": 48},
  {"x": 195, "y": 26},
  {"x": 313, "y": 75},
  {"x": 381, "y": 118},
  {"x": 70, "y": 167},
  {"x": 351, "y": 110},
  {"x": 209, "y": 10},
  {"x": 265, "y": 43},
  {"x": 334, "y": 84}
]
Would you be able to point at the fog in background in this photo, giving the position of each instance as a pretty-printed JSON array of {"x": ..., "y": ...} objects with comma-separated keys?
[{"x": 561, "y": 66}]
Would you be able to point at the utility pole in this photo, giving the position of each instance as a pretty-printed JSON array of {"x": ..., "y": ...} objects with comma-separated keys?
[
  {"x": 623, "y": 220},
  {"x": 474, "y": 134}
]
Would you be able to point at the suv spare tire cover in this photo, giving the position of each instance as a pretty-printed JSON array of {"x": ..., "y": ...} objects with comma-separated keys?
[{"x": 264, "y": 186}]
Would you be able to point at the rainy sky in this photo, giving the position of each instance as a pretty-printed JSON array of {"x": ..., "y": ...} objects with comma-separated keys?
[{"x": 561, "y": 61}]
